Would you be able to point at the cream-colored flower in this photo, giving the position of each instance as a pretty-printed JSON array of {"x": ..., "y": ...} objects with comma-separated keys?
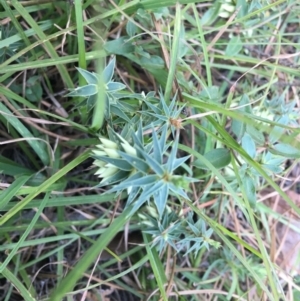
[
  {"x": 108, "y": 144},
  {"x": 226, "y": 9},
  {"x": 109, "y": 149}
]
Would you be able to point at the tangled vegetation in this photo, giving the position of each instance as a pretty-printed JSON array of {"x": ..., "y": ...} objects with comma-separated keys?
[{"x": 149, "y": 150}]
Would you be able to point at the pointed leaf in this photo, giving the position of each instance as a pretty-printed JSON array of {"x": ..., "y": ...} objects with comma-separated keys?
[
  {"x": 160, "y": 199},
  {"x": 149, "y": 191},
  {"x": 179, "y": 161},
  {"x": 164, "y": 105},
  {"x": 117, "y": 111},
  {"x": 163, "y": 137},
  {"x": 90, "y": 77},
  {"x": 135, "y": 162},
  {"x": 119, "y": 163},
  {"x": 154, "y": 165},
  {"x": 135, "y": 191},
  {"x": 123, "y": 185},
  {"x": 117, "y": 177},
  {"x": 109, "y": 71},
  {"x": 172, "y": 158},
  {"x": 154, "y": 108},
  {"x": 138, "y": 137},
  {"x": 112, "y": 86},
  {"x": 140, "y": 181},
  {"x": 178, "y": 191},
  {"x": 157, "y": 151}
]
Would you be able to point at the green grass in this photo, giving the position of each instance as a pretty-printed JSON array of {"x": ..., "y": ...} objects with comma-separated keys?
[{"x": 208, "y": 227}]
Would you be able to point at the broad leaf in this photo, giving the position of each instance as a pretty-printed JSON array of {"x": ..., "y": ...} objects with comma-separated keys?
[
  {"x": 285, "y": 150},
  {"x": 84, "y": 91},
  {"x": 219, "y": 158}
]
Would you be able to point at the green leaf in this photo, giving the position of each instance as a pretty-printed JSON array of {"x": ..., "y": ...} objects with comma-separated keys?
[
  {"x": 285, "y": 150},
  {"x": 250, "y": 190},
  {"x": 119, "y": 176},
  {"x": 243, "y": 8},
  {"x": 157, "y": 147},
  {"x": 135, "y": 162},
  {"x": 137, "y": 181},
  {"x": 157, "y": 267},
  {"x": 140, "y": 52},
  {"x": 33, "y": 90},
  {"x": 119, "y": 163},
  {"x": 34, "y": 93},
  {"x": 131, "y": 28},
  {"x": 183, "y": 48},
  {"x": 84, "y": 91},
  {"x": 249, "y": 145},
  {"x": 160, "y": 199},
  {"x": 108, "y": 72},
  {"x": 155, "y": 62},
  {"x": 211, "y": 14},
  {"x": 219, "y": 158},
  {"x": 18, "y": 285},
  {"x": 211, "y": 93},
  {"x": 90, "y": 77},
  {"x": 12, "y": 190},
  {"x": 273, "y": 168},
  {"x": 256, "y": 135},
  {"x": 36, "y": 144},
  {"x": 245, "y": 105},
  {"x": 112, "y": 86},
  {"x": 278, "y": 131},
  {"x": 234, "y": 46},
  {"x": 68, "y": 283},
  {"x": 238, "y": 127},
  {"x": 117, "y": 110},
  {"x": 152, "y": 163},
  {"x": 43, "y": 187},
  {"x": 148, "y": 191},
  {"x": 119, "y": 46}
]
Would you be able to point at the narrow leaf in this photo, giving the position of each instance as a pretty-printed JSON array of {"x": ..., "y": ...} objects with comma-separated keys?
[
  {"x": 160, "y": 199},
  {"x": 135, "y": 162},
  {"x": 109, "y": 71},
  {"x": 250, "y": 190},
  {"x": 90, "y": 77},
  {"x": 119, "y": 163}
]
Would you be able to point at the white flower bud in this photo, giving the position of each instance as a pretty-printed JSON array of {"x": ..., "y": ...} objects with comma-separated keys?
[
  {"x": 108, "y": 143},
  {"x": 99, "y": 153},
  {"x": 109, "y": 172},
  {"x": 129, "y": 149},
  {"x": 112, "y": 153}
]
